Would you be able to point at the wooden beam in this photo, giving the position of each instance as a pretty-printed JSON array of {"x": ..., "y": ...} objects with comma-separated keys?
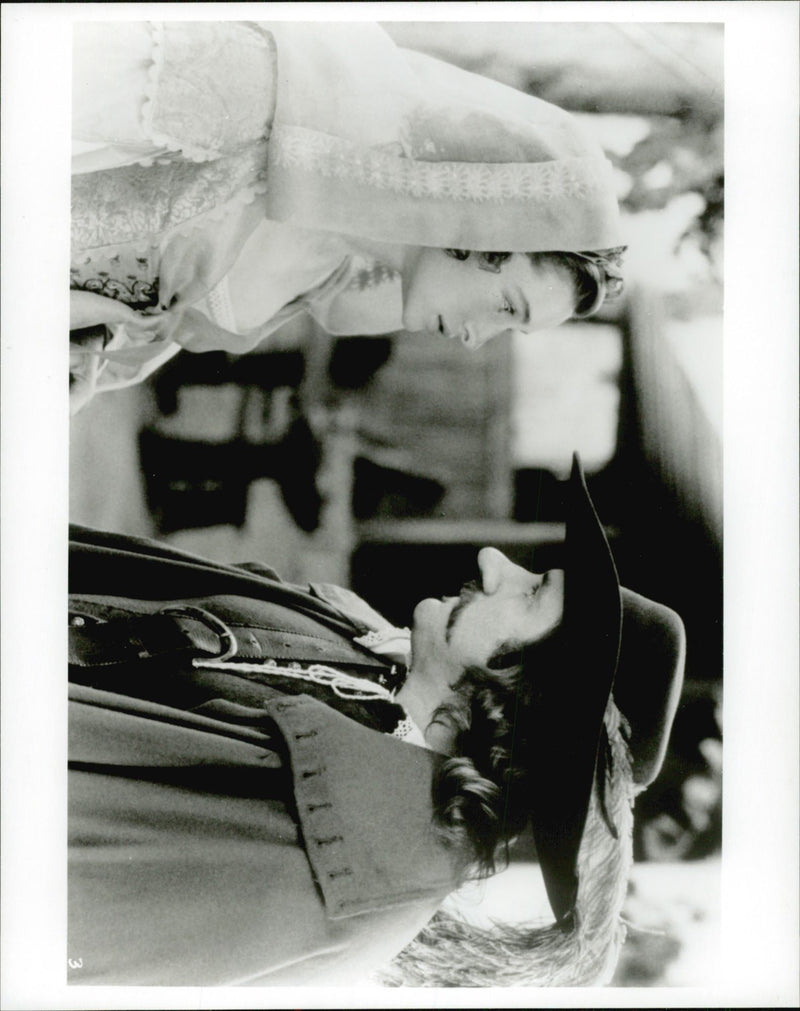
[{"x": 464, "y": 531}]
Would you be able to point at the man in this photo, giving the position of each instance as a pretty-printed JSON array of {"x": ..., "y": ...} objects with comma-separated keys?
[{"x": 243, "y": 812}]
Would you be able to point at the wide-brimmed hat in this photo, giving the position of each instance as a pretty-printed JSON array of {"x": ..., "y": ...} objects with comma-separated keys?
[{"x": 611, "y": 641}]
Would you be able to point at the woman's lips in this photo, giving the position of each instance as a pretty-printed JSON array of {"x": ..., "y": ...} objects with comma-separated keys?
[{"x": 445, "y": 331}]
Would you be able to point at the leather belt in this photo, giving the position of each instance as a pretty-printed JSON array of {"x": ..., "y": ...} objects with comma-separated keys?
[{"x": 188, "y": 632}]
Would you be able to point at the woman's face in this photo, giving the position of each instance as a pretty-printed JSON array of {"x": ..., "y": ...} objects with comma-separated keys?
[{"x": 463, "y": 300}]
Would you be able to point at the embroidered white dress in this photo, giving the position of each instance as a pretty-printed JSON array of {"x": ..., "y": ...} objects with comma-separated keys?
[
  {"x": 168, "y": 203},
  {"x": 229, "y": 175}
]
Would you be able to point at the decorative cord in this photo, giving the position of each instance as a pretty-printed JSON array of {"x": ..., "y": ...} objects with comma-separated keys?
[{"x": 346, "y": 686}]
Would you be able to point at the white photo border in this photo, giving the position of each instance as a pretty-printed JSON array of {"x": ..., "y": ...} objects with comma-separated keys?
[{"x": 760, "y": 850}]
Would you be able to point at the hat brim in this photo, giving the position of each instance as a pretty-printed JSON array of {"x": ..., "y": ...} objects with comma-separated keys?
[
  {"x": 570, "y": 700},
  {"x": 649, "y": 679},
  {"x": 611, "y": 640}
]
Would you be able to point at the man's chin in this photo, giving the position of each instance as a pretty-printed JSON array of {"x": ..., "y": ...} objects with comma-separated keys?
[
  {"x": 423, "y": 610},
  {"x": 429, "y": 615}
]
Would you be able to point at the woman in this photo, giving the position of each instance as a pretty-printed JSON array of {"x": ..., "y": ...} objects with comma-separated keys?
[{"x": 228, "y": 176}]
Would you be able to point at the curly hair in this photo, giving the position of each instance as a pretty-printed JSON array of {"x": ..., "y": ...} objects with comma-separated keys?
[
  {"x": 479, "y": 796},
  {"x": 482, "y": 797},
  {"x": 481, "y": 805},
  {"x": 452, "y": 952},
  {"x": 596, "y": 274}
]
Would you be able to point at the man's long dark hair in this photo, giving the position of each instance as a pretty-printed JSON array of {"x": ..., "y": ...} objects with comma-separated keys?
[{"x": 480, "y": 807}]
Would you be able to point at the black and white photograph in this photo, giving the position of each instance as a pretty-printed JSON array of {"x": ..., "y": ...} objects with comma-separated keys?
[{"x": 413, "y": 508}]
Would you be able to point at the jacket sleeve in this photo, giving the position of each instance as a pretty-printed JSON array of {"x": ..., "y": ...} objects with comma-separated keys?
[{"x": 189, "y": 858}]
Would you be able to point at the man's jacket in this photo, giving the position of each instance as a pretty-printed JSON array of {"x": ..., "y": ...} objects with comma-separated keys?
[{"x": 223, "y": 831}]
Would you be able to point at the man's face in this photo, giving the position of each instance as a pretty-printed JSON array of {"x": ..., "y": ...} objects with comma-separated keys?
[{"x": 509, "y": 604}]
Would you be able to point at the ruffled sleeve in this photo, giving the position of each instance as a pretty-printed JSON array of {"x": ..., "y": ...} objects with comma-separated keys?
[{"x": 145, "y": 91}]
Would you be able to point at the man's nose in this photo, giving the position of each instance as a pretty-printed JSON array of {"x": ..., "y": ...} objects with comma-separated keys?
[{"x": 494, "y": 568}]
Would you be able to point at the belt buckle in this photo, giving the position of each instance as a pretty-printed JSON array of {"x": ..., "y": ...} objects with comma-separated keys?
[{"x": 217, "y": 625}]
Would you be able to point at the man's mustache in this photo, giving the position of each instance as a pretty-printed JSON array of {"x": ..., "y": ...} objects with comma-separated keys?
[{"x": 468, "y": 591}]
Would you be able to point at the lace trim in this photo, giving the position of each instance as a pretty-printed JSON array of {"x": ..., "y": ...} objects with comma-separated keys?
[
  {"x": 211, "y": 87},
  {"x": 372, "y": 275},
  {"x": 404, "y": 728},
  {"x": 295, "y": 147},
  {"x": 220, "y": 305},
  {"x": 379, "y": 637},
  {"x": 136, "y": 294},
  {"x": 127, "y": 278},
  {"x": 139, "y": 205}
]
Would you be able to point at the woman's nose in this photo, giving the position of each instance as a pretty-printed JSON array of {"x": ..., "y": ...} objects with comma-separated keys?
[
  {"x": 493, "y": 565},
  {"x": 475, "y": 336}
]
